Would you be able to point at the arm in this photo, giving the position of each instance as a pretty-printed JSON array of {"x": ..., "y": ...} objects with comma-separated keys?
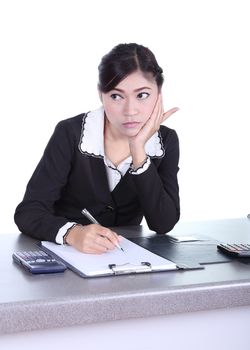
[
  {"x": 157, "y": 187},
  {"x": 158, "y": 190},
  {"x": 35, "y": 214}
]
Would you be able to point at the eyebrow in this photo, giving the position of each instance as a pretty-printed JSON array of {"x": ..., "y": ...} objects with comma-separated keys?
[{"x": 136, "y": 90}]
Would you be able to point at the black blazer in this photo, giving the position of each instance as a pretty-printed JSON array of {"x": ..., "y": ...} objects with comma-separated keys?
[{"x": 67, "y": 180}]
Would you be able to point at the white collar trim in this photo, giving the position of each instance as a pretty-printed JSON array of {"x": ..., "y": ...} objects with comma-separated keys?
[
  {"x": 92, "y": 134},
  {"x": 92, "y": 137}
]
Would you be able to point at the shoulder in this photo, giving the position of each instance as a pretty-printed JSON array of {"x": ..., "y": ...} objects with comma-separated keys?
[
  {"x": 167, "y": 132},
  {"x": 67, "y": 131},
  {"x": 73, "y": 122},
  {"x": 70, "y": 127},
  {"x": 168, "y": 135}
]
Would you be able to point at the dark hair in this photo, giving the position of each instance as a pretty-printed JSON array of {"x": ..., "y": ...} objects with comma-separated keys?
[{"x": 125, "y": 59}]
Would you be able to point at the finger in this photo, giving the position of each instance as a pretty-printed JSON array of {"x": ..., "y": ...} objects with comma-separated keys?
[
  {"x": 167, "y": 114},
  {"x": 155, "y": 109},
  {"x": 159, "y": 118},
  {"x": 105, "y": 242},
  {"x": 112, "y": 239},
  {"x": 96, "y": 244},
  {"x": 159, "y": 114},
  {"x": 120, "y": 238},
  {"x": 154, "y": 117},
  {"x": 96, "y": 248},
  {"x": 110, "y": 235},
  {"x": 91, "y": 247}
]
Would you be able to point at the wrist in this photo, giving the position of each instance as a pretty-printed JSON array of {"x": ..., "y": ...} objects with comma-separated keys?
[
  {"x": 138, "y": 157},
  {"x": 70, "y": 232},
  {"x": 135, "y": 144},
  {"x": 134, "y": 168}
]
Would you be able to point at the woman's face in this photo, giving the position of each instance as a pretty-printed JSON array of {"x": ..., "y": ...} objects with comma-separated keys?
[{"x": 129, "y": 105}]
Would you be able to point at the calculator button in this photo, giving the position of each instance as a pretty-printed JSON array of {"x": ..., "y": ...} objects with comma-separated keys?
[
  {"x": 32, "y": 254},
  {"x": 238, "y": 247},
  {"x": 245, "y": 246},
  {"x": 225, "y": 246},
  {"x": 37, "y": 253},
  {"x": 26, "y": 254},
  {"x": 21, "y": 255},
  {"x": 43, "y": 254}
]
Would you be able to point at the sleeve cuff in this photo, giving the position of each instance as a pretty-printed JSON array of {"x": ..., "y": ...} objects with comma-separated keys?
[
  {"x": 62, "y": 231},
  {"x": 142, "y": 168}
]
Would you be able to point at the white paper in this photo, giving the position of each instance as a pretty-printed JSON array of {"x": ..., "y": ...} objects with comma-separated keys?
[
  {"x": 196, "y": 238},
  {"x": 95, "y": 264}
]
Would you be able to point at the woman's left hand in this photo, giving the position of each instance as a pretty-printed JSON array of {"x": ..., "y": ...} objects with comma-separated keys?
[{"x": 152, "y": 125}]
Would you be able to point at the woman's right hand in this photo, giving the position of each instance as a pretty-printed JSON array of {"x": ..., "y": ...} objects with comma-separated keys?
[{"x": 92, "y": 239}]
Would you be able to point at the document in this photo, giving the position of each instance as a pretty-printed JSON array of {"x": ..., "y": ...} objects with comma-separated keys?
[{"x": 134, "y": 259}]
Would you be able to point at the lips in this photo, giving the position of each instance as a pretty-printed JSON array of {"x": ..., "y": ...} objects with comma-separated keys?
[{"x": 130, "y": 125}]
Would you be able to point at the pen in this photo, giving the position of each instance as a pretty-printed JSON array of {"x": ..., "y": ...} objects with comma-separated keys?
[{"x": 91, "y": 218}]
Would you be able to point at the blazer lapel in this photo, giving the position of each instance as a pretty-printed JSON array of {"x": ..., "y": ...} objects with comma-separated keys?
[{"x": 101, "y": 186}]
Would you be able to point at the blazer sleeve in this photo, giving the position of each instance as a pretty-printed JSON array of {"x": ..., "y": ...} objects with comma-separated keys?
[
  {"x": 35, "y": 215},
  {"x": 157, "y": 188}
]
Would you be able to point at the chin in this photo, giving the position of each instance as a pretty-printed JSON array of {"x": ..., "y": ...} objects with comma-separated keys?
[{"x": 131, "y": 133}]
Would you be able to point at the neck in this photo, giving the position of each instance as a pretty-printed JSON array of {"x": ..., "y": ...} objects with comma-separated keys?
[
  {"x": 111, "y": 134},
  {"x": 115, "y": 144}
]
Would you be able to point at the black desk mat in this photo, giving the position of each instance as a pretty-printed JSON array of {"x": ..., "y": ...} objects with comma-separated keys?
[{"x": 191, "y": 253}]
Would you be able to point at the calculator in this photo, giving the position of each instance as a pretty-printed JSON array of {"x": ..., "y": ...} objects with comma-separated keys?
[
  {"x": 38, "y": 261},
  {"x": 238, "y": 250}
]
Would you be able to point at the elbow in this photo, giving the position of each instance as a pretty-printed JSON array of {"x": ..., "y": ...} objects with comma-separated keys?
[
  {"x": 24, "y": 220},
  {"x": 19, "y": 221},
  {"x": 165, "y": 224},
  {"x": 162, "y": 229}
]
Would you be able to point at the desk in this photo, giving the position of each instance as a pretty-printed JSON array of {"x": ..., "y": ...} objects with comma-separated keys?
[{"x": 160, "y": 310}]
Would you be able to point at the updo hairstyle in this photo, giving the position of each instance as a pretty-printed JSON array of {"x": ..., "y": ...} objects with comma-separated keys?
[{"x": 125, "y": 59}]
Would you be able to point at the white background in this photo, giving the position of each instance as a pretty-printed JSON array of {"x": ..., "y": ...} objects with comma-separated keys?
[{"x": 49, "y": 55}]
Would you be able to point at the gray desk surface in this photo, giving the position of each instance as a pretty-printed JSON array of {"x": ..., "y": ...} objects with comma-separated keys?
[{"x": 30, "y": 302}]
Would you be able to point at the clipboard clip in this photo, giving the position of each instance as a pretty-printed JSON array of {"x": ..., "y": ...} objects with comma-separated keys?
[{"x": 130, "y": 268}]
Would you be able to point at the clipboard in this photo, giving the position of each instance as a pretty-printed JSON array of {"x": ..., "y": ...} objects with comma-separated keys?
[{"x": 134, "y": 260}]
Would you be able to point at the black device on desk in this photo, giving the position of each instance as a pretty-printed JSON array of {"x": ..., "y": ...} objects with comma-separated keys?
[
  {"x": 38, "y": 262},
  {"x": 193, "y": 254},
  {"x": 237, "y": 250}
]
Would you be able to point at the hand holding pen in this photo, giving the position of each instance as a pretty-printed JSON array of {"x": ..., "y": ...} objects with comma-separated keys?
[
  {"x": 92, "y": 239},
  {"x": 87, "y": 214}
]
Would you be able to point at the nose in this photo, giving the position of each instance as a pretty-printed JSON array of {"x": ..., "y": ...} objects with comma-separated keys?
[{"x": 130, "y": 108}]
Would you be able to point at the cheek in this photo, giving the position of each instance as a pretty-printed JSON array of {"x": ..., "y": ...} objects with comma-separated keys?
[
  {"x": 107, "y": 107},
  {"x": 112, "y": 113},
  {"x": 112, "y": 108},
  {"x": 147, "y": 110}
]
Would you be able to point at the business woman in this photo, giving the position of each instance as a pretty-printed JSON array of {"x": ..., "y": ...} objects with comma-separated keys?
[{"x": 118, "y": 162}]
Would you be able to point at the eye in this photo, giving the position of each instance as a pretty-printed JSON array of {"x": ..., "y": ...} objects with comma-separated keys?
[
  {"x": 116, "y": 97},
  {"x": 143, "y": 95}
]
